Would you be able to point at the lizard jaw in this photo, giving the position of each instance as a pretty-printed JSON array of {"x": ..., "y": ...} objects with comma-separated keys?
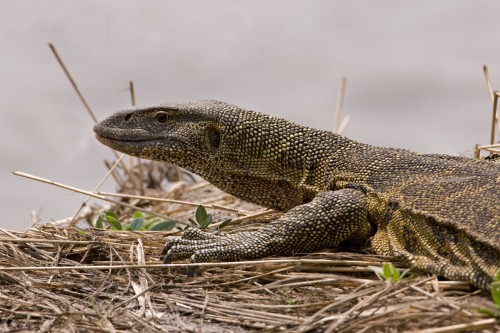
[
  {"x": 129, "y": 141},
  {"x": 131, "y": 147},
  {"x": 145, "y": 148}
]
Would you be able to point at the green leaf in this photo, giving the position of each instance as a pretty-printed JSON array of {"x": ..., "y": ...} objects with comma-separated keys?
[
  {"x": 293, "y": 301},
  {"x": 386, "y": 269},
  {"x": 388, "y": 272},
  {"x": 112, "y": 214},
  {"x": 136, "y": 223},
  {"x": 201, "y": 215},
  {"x": 183, "y": 228},
  {"x": 137, "y": 215},
  {"x": 193, "y": 222},
  {"x": 497, "y": 277},
  {"x": 112, "y": 219},
  {"x": 223, "y": 224},
  {"x": 495, "y": 292},
  {"x": 207, "y": 222},
  {"x": 98, "y": 223},
  {"x": 395, "y": 275},
  {"x": 163, "y": 226}
]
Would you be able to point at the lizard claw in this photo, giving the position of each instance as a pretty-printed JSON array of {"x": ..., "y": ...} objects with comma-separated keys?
[
  {"x": 167, "y": 259},
  {"x": 190, "y": 271},
  {"x": 166, "y": 256}
]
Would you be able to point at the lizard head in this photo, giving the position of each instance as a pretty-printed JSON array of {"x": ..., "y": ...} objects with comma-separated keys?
[
  {"x": 176, "y": 132},
  {"x": 251, "y": 155}
]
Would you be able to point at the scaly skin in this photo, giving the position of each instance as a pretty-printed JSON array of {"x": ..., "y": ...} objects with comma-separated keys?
[{"x": 438, "y": 213}]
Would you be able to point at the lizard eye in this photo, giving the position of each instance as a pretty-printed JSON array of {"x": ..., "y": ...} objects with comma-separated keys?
[
  {"x": 212, "y": 138},
  {"x": 161, "y": 117}
]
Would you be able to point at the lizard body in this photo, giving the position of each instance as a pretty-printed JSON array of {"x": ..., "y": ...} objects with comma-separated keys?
[{"x": 438, "y": 213}]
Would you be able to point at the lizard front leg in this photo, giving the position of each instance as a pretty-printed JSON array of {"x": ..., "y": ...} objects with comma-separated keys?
[{"x": 331, "y": 219}]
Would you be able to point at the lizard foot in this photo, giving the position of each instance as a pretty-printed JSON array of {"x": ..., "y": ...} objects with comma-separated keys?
[{"x": 200, "y": 246}]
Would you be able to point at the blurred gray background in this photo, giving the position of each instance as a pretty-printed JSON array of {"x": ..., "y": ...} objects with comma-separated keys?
[{"x": 414, "y": 76}]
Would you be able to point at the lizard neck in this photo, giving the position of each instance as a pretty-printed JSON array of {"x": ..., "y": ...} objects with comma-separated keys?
[{"x": 281, "y": 171}]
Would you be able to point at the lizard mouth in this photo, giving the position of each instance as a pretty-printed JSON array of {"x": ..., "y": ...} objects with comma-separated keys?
[
  {"x": 132, "y": 147},
  {"x": 134, "y": 141},
  {"x": 131, "y": 141},
  {"x": 113, "y": 141},
  {"x": 123, "y": 134}
]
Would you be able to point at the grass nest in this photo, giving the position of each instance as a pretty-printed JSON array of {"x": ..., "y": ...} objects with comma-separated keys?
[{"x": 62, "y": 277}]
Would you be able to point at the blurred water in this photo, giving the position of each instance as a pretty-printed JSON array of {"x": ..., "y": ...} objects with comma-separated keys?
[{"x": 414, "y": 75}]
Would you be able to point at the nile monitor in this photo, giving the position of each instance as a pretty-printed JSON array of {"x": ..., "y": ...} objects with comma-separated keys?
[{"x": 438, "y": 213}]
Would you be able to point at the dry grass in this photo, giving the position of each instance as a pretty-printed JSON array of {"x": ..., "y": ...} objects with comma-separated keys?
[{"x": 60, "y": 279}]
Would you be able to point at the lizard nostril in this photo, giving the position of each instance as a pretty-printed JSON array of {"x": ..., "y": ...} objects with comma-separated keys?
[{"x": 128, "y": 116}]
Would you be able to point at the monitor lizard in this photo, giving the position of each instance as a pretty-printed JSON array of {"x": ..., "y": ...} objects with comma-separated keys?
[{"x": 438, "y": 213}]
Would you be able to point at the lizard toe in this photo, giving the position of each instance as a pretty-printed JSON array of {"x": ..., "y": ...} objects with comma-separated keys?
[
  {"x": 169, "y": 244},
  {"x": 176, "y": 253}
]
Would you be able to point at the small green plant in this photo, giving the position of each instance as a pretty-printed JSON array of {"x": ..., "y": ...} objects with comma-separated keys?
[
  {"x": 293, "y": 301},
  {"x": 389, "y": 272},
  {"x": 81, "y": 232},
  {"x": 202, "y": 219},
  {"x": 139, "y": 222},
  {"x": 494, "y": 310}
]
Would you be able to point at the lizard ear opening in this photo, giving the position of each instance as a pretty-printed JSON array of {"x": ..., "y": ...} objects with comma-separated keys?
[{"x": 212, "y": 138}]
